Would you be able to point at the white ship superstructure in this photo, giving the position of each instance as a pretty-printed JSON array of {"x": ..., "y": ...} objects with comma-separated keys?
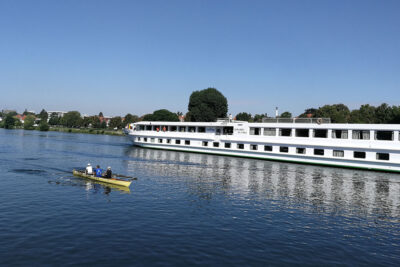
[{"x": 366, "y": 146}]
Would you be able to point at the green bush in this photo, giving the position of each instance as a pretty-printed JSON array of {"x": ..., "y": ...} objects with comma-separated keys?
[{"x": 43, "y": 126}]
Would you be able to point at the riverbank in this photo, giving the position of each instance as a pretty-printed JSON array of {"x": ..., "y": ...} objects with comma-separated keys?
[
  {"x": 79, "y": 130},
  {"x": 87, "y": 131}
]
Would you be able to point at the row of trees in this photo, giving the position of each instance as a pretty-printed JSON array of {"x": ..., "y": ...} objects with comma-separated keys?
[
  {"x": 207, "y": 106},
  {"x": 244, "y": 116},
  {"x": 340, "y": 113},
  {"x": 71, "y": 119}
]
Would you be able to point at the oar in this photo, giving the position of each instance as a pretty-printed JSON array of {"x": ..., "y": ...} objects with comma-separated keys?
[{"x": 124, "y": 176}]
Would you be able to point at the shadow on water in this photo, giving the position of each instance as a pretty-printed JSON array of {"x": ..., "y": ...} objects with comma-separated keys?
[{"x": 315, "y": 188}]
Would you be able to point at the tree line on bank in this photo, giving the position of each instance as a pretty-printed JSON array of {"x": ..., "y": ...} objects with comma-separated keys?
[{"x": 204, "y": 106}]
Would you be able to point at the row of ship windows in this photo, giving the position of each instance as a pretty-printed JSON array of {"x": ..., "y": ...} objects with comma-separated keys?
[
  {"x": 288, "y": 132},
  {"x": 323, "y": 133},
  {"x": 269, "y": 148}
]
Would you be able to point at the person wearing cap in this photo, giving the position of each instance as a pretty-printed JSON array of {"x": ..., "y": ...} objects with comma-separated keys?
[
  {"x": 108, "y": 173},
  {"x": 89, "y": 169}
]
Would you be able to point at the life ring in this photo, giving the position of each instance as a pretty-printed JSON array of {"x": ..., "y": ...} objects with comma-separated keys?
[{"x": 319, "y": 120}]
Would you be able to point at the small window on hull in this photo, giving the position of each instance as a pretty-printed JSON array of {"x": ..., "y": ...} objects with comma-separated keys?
[
  {"x": 382, "y": 156},
  {"x": 201, "y": 129},
  {"x": 338, "y": 153},
  {"x": 240, "y": 146},
  {"x": 152, "y": 140},
  {"x": 205, "y": 143},
  {"x": 359, "y": 154},
  {"x": 145, "y": 139},
  {"x": 319, "y": 152},
  {"x": 187, "y": 142},
  {"x": 215, "y": 144},
  {"x": 253, "y": 147},
  {"x": 168, "y": 141},
  {"x": 300, "y": 150},
  {"x": 227, "y": 145},
  {"x": 267, "y": 148},
  {"x": 177, "y": 142},
  {"x": 160, "y": 140},
  {"x": 284, "y": 149}
]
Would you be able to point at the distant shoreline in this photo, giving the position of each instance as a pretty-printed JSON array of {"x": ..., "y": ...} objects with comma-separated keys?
[
  {"x": 78, "y": 130},
  {"x": 87, "y": 131}
]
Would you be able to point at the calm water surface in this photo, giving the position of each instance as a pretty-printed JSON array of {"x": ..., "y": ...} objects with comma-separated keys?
[{"x": 187, "y": 209}]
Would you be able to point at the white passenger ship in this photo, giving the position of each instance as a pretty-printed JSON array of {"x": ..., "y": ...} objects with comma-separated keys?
[{"x": 365, "y": 146}]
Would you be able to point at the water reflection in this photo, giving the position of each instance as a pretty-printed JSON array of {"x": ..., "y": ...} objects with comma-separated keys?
[
  {"x": 331, "y": 190},
  {"x": 91, "y": 187}
]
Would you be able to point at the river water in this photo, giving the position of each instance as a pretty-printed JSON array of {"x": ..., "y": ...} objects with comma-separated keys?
[{"x": 186, "y": 208}]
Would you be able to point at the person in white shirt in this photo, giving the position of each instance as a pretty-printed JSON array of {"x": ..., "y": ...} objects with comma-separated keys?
[{"x": 89, "y": 169}]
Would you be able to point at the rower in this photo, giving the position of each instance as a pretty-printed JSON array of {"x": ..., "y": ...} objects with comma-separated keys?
[
  {"x": 98, "y": 171},
  {"x": 89, "y": 169},
  {"x": 108, "y": 173}
]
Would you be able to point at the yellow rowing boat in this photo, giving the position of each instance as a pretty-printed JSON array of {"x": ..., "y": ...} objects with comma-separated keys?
[{"x": 113, "y": 180}]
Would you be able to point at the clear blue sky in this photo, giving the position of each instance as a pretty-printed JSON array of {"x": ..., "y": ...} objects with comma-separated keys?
[{"x": 139, "y": 56}]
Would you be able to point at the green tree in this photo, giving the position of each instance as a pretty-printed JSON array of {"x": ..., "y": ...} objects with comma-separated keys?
[
  {"x": 366, "y": 114},
  {"x": 396, "y": 115},
  {"x": 26, "y": 113},
  {"x": 9, "y": 121},
  {"x": 115, "y": 122},
  {"x": 243, "y": 116},
  {"x": 87, "y": 121},
  {"x": 17, "y": 122},
  {"x": 310, "y": 112},
  {"x": 43, "y": 115},
  {"x": 29, "y": 122},
  {"x": 96, "y": 122},
  {"x": 384, "y": 114},
  {"x": 339, "y": 113},
  {"x": 72, "y": 119},
  {"x": 207, "y": 105},
  {"x": 103, "y": 124},
  {"x": 286, "y": 114},
  {"x": 129, "y": 118},
  {"x": 43, "y": 126},
  {"x": 54, "y": 119},
  {"x": 161, "y": 115},
  {"x": 259, "y": 117}
]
